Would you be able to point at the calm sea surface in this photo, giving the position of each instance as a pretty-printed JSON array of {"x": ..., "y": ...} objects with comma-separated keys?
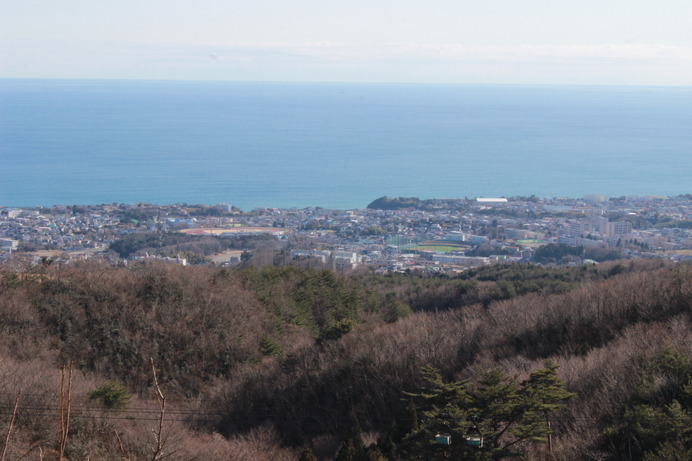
[{"x": 335, "y": 145}]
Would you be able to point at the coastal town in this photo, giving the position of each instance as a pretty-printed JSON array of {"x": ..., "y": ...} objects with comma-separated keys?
[{"x": 389, "y": 235}]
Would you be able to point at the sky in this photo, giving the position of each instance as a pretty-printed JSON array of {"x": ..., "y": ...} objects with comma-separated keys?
[{"x": 600, "y": 42}]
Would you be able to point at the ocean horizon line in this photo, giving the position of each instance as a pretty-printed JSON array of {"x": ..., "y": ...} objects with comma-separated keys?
[{"x": 337, "y": 82}]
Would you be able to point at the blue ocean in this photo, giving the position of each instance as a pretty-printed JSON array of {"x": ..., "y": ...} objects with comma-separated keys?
[{"x": 335, "y": 145}]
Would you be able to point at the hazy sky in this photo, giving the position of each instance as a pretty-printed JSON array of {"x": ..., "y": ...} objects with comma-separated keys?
[{"x": 640, "y": 42}]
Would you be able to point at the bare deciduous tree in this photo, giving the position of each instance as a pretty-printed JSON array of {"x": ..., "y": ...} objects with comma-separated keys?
[
  {"x": 159, "y": 435},
  {"x": 65, "y": 407},
  {"x": 9, "y": 429}
]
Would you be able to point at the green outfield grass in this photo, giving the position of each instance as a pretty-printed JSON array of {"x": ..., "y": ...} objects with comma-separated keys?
[
  {"x": 438, "y": 248},
  {"x": 447, "y": 243}
]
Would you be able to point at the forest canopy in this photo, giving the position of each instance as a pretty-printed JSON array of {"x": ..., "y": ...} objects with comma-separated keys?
[{"x": 570, "y": 363}]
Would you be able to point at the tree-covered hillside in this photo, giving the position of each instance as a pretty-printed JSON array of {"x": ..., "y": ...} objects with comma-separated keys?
[{"x": 282, "y": 362}]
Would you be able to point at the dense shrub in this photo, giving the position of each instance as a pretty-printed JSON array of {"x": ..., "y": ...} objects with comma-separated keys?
[{"x": 112, "y": 395}]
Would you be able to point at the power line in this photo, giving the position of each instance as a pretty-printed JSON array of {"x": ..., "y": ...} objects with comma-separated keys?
[{"x": 197, "y": 415}]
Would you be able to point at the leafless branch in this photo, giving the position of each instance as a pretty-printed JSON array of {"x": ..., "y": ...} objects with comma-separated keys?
[
  {"x": 120, "y": 445},
  {"x": 9, "y": 429},
  {"x": 65, "y": 409},
  {"x": 158, "y": 433}
]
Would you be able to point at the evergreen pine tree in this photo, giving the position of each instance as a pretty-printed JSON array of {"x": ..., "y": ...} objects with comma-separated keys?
[
  {"x": 506, "y": 414},
  {"x": 412, "y": 417},
  {"x": 385, "y": 443},
  {"x": 347, "y": 452},
  {"x": 544, "y": 392},
  {"x": 353, "y": 448},
  {"x": 496, "y": 404}
]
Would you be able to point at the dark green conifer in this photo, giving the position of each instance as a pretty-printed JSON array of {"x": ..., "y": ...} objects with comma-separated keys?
[
  {"x": 412, "y": 417},
  {"x": 506, "y": 414},
  {"x": 347, "y": 452},
  {"x": 353, "y": 448},
  {"x": 544, "y": 392}
]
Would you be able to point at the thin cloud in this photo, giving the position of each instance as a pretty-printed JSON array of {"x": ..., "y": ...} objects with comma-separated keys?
[
  {"x": 445, "y": 52},
  {"x": 530, "y": 52},
  {"x": 340, "y": 61}
]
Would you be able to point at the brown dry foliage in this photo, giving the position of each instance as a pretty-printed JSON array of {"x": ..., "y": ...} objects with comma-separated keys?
[{"x": 203, "y": 325}]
